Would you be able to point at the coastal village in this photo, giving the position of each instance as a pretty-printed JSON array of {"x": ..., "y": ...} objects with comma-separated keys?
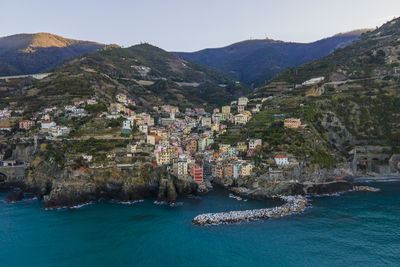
[{"x": 186, "y": 141}]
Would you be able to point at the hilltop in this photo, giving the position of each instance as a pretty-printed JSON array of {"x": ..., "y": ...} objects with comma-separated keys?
[
  {"x": 34, "y": 53},
  {"x": 254, "y": 62},
  {"x": 147, "y": 74}
]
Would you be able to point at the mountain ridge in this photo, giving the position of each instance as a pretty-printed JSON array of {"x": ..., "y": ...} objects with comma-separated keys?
[
  {"x": 33, "y": 53},
  {"x": 254, "y": 62},
  {"x": 147, "y": 74}
]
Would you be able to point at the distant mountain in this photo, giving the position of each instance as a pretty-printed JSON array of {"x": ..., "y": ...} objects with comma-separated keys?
[
  {"x": 254, "y": 62},
  {"x": 373, "y": 56},
  {"x": 33, "y": 53},
  {"x": 147, "y": 74}
]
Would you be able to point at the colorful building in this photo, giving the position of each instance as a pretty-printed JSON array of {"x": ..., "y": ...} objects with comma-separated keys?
[
  {"x": 196, "y": 172},
  {"x": 292, "y": 123},
  {"x": 26, "y": 124},
  {"x": 240, "y": 119}
]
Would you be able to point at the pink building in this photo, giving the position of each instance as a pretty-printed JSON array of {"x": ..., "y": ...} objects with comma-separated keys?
[{"x": 26, "y": 124}]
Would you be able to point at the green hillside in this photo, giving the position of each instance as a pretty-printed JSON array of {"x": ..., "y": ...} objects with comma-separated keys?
[
  {"x": 356, "y": 104},
  {"x": 149, "y": 75}
]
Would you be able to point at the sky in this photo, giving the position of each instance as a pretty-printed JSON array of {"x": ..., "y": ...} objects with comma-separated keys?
[{"x": 190, "y": 25}]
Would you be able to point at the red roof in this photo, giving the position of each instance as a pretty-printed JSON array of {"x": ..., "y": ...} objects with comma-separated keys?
[{"x": 280, "y": 156}]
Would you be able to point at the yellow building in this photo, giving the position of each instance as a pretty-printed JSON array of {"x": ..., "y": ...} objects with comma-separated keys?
[
  {"x": 246, "y": 169},
  {"x": 151, "y": 139},
  {"x": 241, "y": 146},
  {"x": 241, "y": 119},
  {"x": 226, "y": 110},
  {"x": 215, "y": 127},
  {"x": 187, "y": 130},
  {"x": 165, "y": 156},
  {"x": 224, "y": 147}
]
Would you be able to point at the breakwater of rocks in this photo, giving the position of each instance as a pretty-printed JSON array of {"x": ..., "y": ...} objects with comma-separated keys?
[
  {"x": 293, "y": 204},
  {"x": 365, "y": 188}
]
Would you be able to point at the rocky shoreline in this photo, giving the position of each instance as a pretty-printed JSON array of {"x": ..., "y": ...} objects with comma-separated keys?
[{"x": 70, "y": 188}]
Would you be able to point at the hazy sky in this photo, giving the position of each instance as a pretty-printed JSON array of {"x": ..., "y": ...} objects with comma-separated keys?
[{"x": 188, "y": 25}]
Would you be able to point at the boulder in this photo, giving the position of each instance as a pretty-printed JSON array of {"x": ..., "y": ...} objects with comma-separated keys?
[
  {"x": 69, "y": 194},
  {"x": 15, "y": 196},
  {"x": 327, "y": 188},
  {"x": 202, "y": 189}
]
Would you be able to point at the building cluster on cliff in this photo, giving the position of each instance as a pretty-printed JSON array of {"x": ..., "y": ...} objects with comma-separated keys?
[{"x": 187, "y": 141}]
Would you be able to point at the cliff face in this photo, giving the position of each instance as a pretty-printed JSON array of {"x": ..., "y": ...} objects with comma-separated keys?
[
  {"x": 64, "y": 187},
  {"x": 117, "y": 184}
]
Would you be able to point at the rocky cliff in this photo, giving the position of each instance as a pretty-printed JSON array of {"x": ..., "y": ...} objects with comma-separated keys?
[
  {"x": 118, "y": 184},
  {"x": 260, "y": 188},
  {"x": 65, "y": 187}
]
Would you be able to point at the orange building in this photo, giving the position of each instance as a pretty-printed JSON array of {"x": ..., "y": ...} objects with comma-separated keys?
[
  {"x": 196, "y": 172},
  {"x": 292, "y": 123}
]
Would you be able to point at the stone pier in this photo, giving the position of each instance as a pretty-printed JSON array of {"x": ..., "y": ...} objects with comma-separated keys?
[{"x": 293, "y": 204}]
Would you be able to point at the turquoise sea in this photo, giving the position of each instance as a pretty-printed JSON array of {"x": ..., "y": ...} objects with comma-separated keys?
[{"x": 356, "y": 229}]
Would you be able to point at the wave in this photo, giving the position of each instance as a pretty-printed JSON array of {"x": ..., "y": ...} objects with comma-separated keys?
[
  {"x": 71, "y": 207},
  {"x": 337, "y": 194},
  {"x": 176, "y": 204},
  {"x": 82, "y": 205},
  {"x": 160, "y": 203},
  {"x": 130, "y": 202}
]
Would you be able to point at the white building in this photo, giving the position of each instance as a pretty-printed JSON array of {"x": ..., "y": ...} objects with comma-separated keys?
[
  {"x": 313, "y": 81},
  {"x": 182, "y": 166},
  {"x": 59, "y": 131},
  {"x": 70, "y": 108},
  {"x": 151, "y": 139},
  {"x": 48, "y": 124},
  {"x": 143, "y": 128},
  {"x": 128, "y": 124},
  {"x": 242, "y": 101},
  {"x": 121, "y": 98},
  {"x": 253, "y": 143},
  {"x": 206, "y": 122},
  {"x": 86, "y": 157},
  {"x": 132, "y": 148},
  {"x": 281, "y": 160},
  {"x": 240, "y": 119}
]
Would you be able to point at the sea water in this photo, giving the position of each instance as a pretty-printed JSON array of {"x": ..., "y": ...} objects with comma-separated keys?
[{"x": 358, "y": 228}]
